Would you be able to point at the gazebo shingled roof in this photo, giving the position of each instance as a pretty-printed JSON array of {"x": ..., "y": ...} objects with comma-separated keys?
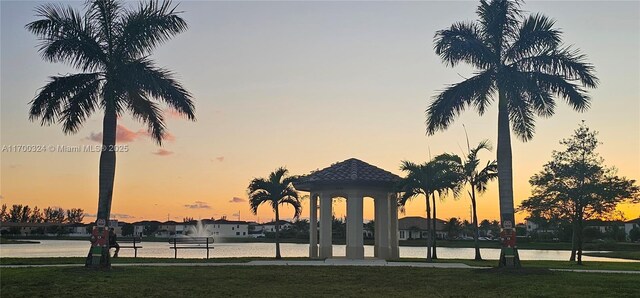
[{"x": 348, "y": 173}]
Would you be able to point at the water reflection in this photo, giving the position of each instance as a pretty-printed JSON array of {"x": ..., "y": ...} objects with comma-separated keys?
[{"x": 71, "y": 248}]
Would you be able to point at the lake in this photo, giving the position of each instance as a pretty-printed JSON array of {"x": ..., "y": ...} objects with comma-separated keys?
[{"x": 75, "y": 248}]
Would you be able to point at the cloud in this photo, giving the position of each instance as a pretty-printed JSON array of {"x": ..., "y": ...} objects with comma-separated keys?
[
  {"x": 237, "y": 200},
  {"x": 1, "y": 197},
  {"x": 220, "y": 158},
  {"x": 125, "y": 135},
  {"x": 198, "y": 205},
  {"x": 162, "y": 152},
  {"x": 235, "y": 214},
  {"x": 121, "y": 216},
  {"x": 113, "y": 215}
]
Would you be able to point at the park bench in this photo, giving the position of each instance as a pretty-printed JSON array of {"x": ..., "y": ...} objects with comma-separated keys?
[
  {"x": 131, "y": 242},
  {"x": 190, "y": 243}
]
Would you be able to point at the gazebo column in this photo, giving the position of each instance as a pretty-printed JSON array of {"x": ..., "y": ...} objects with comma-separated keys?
[
  {"x": 355, "y": 243},
  {"x": 326, "y": 248},
  {"x": 382, "y": 226},
  {"x": 313, "y": 226},
  {"x": 393, "y": 210}
]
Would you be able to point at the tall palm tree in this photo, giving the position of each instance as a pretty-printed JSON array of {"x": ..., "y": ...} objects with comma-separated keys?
[
  {"x": 110, "y": 44},
  {"x": 449, "y": 179},
  {"x": 478, "y": 180},
  {"x": 522, "y": 61},
  {"x": 275, "y": 190},
  {"x": 425, "y": 180}
]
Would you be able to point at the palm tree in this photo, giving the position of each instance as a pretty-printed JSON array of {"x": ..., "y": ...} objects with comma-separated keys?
[
  {"x": 449, "y": 180},
  {"x": 522, "y": 61},
  {"x": 110, "y": 44},
  {"x": 454, "y": 226},
  {"x": 426, "y": 179},
  {"x": 276, "y": 190},
  {"x": 478, "y": 180}
]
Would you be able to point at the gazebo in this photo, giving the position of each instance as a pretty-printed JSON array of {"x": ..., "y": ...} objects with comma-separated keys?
[{"x": 352, "y": 180}]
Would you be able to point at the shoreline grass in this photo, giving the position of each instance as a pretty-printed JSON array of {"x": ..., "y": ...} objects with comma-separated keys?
[{"x": 627, "y": 255}]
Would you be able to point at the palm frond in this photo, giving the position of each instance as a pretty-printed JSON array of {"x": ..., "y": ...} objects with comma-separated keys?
[
  {"x": 499, "y": 21},
  {"x": 463, "y": 43},
  {"x": 565, "y": 62},
  {"x": 295, "y": 203},
  {"x": 105, "y": 14},
  {"x": 520, "y": 115},
  {"x": 535, "y": 35},
  {"x": 66, "y": 37},
  {"x": 152, "y": 24},
  {"x": 573, "y": 94},
  {"x": 160, "y": 84},
  {"x": 80, "y": 106},
  {"x": 476, "y": 90},
  {"x": 148, "y": 112},
  {"x": 54, "y": 97}
]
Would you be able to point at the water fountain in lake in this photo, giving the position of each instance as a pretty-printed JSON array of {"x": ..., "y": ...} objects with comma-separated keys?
[{"x": 199, "y": 230}]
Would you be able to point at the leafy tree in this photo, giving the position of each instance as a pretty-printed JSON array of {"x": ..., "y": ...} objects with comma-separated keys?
[
  {"x": 75, "y": 215},
  {"x": 275, "y": 190},
  {"x": 54, "y": 215},
  {"x": 4, "y": 213},
  {"x": 110, "y": 44},
  {"x": 36, "y": 215},
  {"x": 521, "y": 63},
  {"x": 437, "y": 175},
  {"x": 15, "y": 213},
  {"x": 576, "y": 186}
]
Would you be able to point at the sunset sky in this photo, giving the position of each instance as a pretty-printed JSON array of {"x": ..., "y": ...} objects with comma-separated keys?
[{"x": 304, "y": 85}]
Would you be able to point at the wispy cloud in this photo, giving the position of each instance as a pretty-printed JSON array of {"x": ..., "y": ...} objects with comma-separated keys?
[
  {"x": 163, "y": 152},
  {"x": 125, "y": 135},
  {"x": 237, "y": 200},
  {"x": 1, "y": 197},
  {"x": 113, "y": 215},
  {"x": 198, "y": 205},
  {"x": 220, "y": 158}
]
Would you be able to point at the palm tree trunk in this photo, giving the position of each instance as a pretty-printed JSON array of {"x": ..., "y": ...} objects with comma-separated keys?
[
  {"x": 278, "y": 256},
  {"x": 434, "y": 255},
  {"x": 478, "y": 257},
  {"x": 106, "y": 177},
  {"x": 429, "y": 259},
  {"x": 505, "y": 168}
]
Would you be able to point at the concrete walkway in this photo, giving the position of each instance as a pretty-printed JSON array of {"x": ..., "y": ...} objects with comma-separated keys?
[{"x": 327, "y": 262}]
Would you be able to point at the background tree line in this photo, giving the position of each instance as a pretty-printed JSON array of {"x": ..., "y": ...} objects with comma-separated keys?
[{"x": 25, "y": 214}]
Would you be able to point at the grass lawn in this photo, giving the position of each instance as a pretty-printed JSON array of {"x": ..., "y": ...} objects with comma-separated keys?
[
  {"x": 309, "y": 282},
  {"x": 635, "y": 266},
  {"x": 633, "y": 255}
]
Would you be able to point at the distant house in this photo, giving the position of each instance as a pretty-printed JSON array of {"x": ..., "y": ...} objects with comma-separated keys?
[
  {"x": 145, "y": 228},
  {"x": 604, "y": 225},
  {"x": 79, "y": 230},
  {"x": 270, "y": 227},
  {"x": 227, "y": 228},
  {"x": 630, "y": 225},
  {"x": 539, "y": 225},
  {"x": 171, "y": 228},
  {"x": 415, "y": 227}
]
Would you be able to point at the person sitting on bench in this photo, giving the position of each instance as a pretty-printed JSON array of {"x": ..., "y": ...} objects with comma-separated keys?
[{"x": 113, "y": 242}]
